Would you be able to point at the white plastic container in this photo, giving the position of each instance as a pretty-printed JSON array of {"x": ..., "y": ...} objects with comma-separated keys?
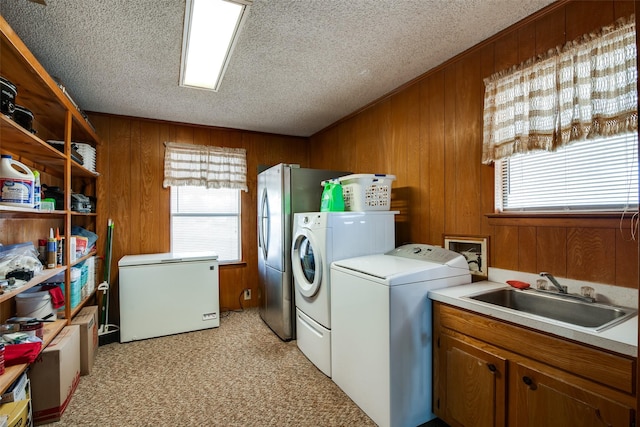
[
  {"x": 35, "y": 304},
  {"x": 16, "y": 183},
  {"x": 91, "y": 278},
  {"x": 72, "y": 248},
  {"x": 88, "y": 154},
  {"x": 367, "y": 192}
]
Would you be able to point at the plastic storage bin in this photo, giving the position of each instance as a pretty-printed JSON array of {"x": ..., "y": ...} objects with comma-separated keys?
[
  {"x": 76, "y": 289},
  {"x": 76, "y": 286},
  {"x": 36, "y": 303},
  {"x": 367, "y": 192}
]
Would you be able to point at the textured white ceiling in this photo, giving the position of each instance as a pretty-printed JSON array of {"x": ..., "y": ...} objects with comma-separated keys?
[{"x": 298, "y": 66}]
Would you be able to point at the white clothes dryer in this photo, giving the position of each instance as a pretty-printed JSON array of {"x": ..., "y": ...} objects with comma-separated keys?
[
  {"x": 381, "y": 350},
  {"x": 319, "y": 239}
]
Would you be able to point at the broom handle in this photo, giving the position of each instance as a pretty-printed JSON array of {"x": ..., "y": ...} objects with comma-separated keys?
[{"x": 107, "y": 273}]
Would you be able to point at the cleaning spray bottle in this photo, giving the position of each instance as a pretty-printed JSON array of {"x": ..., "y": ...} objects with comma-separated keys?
[
  {"x": 36, "y": 190},
  {"x": 59, "y": 248}
]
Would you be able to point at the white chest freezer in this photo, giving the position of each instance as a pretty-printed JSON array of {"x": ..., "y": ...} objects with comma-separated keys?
[{"x": 167, "y": 293}]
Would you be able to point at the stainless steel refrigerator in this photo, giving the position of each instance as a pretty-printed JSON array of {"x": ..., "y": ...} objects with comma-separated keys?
[{"x": 282, "y": 191}]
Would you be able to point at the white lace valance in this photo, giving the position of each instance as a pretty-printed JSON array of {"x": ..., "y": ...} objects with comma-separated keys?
[
  {"x": 204, "y": 166},
  {"x": 586, "y": 89}
]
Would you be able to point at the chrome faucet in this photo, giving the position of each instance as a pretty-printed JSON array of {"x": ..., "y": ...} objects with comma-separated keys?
[
  {"x": 562, "y": 290},
  {"x": 554, "y": 282}
]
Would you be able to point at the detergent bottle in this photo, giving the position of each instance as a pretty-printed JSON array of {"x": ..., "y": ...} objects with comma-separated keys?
[
  {"x": 16, "y": 183},
  {"x": 332, "y": 198}
]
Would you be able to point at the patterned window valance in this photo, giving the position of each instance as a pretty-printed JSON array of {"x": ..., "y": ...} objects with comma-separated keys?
[
  {"x": 586, "y": 89},
  {"x": 204, "y": 166}
]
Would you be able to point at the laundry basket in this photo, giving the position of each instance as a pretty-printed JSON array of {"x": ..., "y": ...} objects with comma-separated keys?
[{"x": 367, "y": 192}]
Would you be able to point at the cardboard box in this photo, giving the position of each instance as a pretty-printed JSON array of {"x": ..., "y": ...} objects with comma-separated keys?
[
  {"x": 87, "y": 319},
  {"x": 55, "y": 375}
]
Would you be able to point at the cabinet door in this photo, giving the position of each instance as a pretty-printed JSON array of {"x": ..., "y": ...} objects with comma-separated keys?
[
  {"x": 545, "y": 400},
  {"x": 473, "y": 385}
]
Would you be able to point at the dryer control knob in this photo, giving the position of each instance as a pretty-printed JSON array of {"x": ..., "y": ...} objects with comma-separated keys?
[{"x": 417, "y": 250}]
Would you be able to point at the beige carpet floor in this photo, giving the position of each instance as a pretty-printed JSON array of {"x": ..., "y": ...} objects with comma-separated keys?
[{"x": 240, "y": 374}]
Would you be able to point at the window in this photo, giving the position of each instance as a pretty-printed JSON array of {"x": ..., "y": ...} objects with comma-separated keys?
[
  {"x": 205, "y": 186},
  {"x": 206, "y": 219},
  {"x": 589, "y": 175},
  {"x": 562, "y": 128}
]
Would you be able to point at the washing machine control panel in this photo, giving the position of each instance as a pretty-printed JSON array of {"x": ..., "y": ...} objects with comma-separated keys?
[
  {"x": 425, "y": 253},
  {"x": 311, "y": 220}
]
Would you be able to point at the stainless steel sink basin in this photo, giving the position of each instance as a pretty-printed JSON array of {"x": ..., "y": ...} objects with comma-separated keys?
[{"x": 579, "y": 313}]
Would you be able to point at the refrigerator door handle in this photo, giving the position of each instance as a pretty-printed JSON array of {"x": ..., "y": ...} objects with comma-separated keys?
[{"x": 263, "y": 240}]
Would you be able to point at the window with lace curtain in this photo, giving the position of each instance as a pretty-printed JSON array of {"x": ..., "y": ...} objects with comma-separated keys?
[
  {"x": 205, "y": 184},
  {"x": 562, "y": 128}
]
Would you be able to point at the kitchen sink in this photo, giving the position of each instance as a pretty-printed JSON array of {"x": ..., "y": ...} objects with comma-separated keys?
[{"x": 585, "y": 314}]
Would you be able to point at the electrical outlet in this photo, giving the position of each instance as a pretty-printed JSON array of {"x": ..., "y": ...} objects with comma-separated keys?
[{"x": 247, "y": 294}]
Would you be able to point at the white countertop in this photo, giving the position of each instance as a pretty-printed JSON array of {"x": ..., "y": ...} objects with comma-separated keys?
[{"x": 621, "y": 338}]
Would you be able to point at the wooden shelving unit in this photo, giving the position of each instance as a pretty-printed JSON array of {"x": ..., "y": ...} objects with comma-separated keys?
[
  {"x": 56, "y": 117},
  {"x": 39, "y": 278}
]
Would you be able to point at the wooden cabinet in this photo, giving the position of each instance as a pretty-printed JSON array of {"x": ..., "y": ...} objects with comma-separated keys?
[
  {"x": 492, "y": 373},
  {"x": 545, "y": 400},
  {"x": 56, "y": 117},
  {"x": 474, "y": 386}
]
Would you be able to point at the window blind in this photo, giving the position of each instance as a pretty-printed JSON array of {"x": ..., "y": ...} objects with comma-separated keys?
[
  {"x": 600, "y": 174},
  {"x": 204, "y": 219}
]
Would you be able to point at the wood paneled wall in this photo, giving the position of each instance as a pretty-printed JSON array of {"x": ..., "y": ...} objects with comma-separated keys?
[
  {"x": 429, "y": 134},
  {"x": 131, "y": 163}
]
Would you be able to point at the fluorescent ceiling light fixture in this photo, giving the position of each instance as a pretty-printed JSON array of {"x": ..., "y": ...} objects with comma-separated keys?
[{"x": 210, "y": 31}]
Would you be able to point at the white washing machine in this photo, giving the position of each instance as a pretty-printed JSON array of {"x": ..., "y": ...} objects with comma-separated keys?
[
  {"x": 319, "y": 239},
  {"x": 382, "y": 329}
]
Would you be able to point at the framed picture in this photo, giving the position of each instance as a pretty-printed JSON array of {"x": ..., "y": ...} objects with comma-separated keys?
[{"x": 474, "y": 249}]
